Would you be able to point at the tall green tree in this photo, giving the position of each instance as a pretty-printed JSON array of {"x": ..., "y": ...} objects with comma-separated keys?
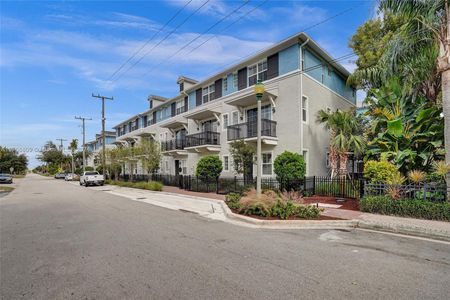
[
  {"x": 149, "y": 153},
  {"x": 345, "y": 137},
  {"x": 73, "y": 147},
  {"x": 243, "y": 155},
  {"x": 10, "y": 158}
]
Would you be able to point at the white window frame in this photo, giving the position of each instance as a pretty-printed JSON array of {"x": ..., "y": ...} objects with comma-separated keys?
[
  {"x": 225, "y": 83},
  {"x": 235, "y": 81},
  {"x": 183, "y": 166},
  {"x": 226, "y": 166},
  {"x": 210, "y": 90},
  {"x": 233, "y": 113},
  {"x": 306, "y": 159},
  {"x": 179, "y": 107},
  {"x": 271, "y": 163},
  {"x": 305, "y": 108},
  {"x": 259, "y": 70},
  {"x": 225, "y": 124}
]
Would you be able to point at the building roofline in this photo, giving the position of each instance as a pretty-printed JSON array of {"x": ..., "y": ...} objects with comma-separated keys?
[{"x": 184, "y": 78}]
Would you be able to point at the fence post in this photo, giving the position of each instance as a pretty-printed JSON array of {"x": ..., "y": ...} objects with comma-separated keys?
[
  {"x": 314, "y": 185},
  {"x": 217, "y": 185},
  {"x": 235, "y": 185},
  {"x": 425, "y": 191},
  {"x": 361, "y": 188}
]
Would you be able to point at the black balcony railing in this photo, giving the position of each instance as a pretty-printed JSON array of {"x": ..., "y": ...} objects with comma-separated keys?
[
  {"x": 203, "y": 138},
  {"x": 175, "y": 144},
  {"x": 249, "y": 130}
]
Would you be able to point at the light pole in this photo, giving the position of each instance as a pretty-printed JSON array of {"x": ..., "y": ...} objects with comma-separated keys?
[
  {"x": 259, "y": 92},
  {"x": 84, "y": 140},
  {"x": 103, "y": 129}
]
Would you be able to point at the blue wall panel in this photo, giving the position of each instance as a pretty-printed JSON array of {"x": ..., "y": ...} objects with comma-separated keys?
[{"x": 288, "y": 59}]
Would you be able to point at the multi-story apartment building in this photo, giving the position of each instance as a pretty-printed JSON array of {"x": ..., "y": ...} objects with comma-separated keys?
[
  {"x": 95, "y": 147},
  {"x": 300, "y": 79}
]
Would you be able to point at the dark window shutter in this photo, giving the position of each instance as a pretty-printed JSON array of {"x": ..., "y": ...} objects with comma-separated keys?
[
  {"x": 181, "y": 86},
  {"x": 186, "y": 103},
  {"x": 242, "y": 78},
  {"x": 172, "y": 109},
  {"x": 218, "y": 89},
  {"x": 198, "y": 97},
  {"x": 154, "y": 117},
  {"x": 272, "y": 66}
]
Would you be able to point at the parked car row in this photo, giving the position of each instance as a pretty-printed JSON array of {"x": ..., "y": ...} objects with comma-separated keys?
[{"x": 87, "y": 178}]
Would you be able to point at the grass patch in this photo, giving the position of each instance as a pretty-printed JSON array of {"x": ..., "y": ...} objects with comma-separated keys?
[
  {"x": 151, "y": 185},
  {"x": 6, "y": 188}
]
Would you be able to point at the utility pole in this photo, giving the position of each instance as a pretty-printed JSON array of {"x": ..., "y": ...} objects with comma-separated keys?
[
  {"x": 84, "y": 140},
  {"x": 103, "y": 129},
  {"x": 61, "y": 148},
  {"x": 61, "y": 145}
]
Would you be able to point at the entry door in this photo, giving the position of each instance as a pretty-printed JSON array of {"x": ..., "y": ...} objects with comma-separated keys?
[
  {"x": 252, "y": 119},
  {"x": 177, "y": 167}
]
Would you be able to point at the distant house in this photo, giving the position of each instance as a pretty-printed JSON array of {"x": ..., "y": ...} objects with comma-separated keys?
[
  {"x": 204, "y": 117},
  {"x": 95, "y": 147}
]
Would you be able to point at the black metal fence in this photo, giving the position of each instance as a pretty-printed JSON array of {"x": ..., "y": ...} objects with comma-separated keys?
[
  {"x": 312, "y": 185},
  {"x": 420, "y": 191}
]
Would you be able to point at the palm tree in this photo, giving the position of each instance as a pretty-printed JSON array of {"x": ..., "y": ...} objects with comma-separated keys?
[
  {"x": 73, "y": 147},
  {"x": 345, "y": 137},
  {"x": 426, "y": 33}
]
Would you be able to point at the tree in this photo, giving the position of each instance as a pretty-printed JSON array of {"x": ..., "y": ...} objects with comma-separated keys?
[
  {"x": 407, "y": 133},
  {"x": 345, "y": 136},
  {"x": 73, "y": 147},
  {"x": 150, "y": 155},
  {"x": 209, "y": 167},
  {"x": 288, "y": 167},
  {"x": 419, "y": 53},
  {"x": 243, "y": 157},
  {"x": 10, "y": 158}
]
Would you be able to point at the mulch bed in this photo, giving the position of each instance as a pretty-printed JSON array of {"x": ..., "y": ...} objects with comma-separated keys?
[{"x": 348, "y": 203}]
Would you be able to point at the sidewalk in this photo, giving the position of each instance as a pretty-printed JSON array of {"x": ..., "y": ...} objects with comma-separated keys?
[{"x": 212, "y": 206}]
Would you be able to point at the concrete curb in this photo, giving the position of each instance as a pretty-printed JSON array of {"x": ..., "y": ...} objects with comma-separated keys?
[
  {"x": 319, "y": 224},
  {"x": 406, "y": 230}
]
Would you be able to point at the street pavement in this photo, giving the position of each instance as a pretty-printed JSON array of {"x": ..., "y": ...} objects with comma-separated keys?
[{"x": 63, "y": 241}]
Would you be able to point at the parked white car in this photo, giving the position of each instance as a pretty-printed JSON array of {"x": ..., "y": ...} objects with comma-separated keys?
[
  {"x": 70, "y": 177},
  {"x": 91, "y": 178}
]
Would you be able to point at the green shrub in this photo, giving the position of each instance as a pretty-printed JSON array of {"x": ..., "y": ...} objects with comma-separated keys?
[
  {"x": 406, "y": 208},
  {"x": 380, "y": 171},
  {"x": 307, "y": 212},
  {"x": 283, "y": 210},
  {"x": 209, "y": 167},
  {"x": 151, "y": 185},
  {"x": 256, "y": 209},
  {"x": 289, "y": 166},
  {"x": 232, "y": 200}
]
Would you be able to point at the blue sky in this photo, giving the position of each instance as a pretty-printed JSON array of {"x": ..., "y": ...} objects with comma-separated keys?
[{"x": 55, "y": 54}]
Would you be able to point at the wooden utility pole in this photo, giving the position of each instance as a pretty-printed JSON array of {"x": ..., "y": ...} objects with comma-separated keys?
[
  {"x": 103, "y": 129},
  {"x": 84, "y": 140}
]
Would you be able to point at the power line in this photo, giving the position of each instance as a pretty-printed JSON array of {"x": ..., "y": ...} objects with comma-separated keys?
[
  {"x": 229, "y": 25},
  {"x": 159, "y": 43},
  {"x": 200, "y": 35},
  {"x": 149, "y": 40},
  {"x": 302, "y": 30}
]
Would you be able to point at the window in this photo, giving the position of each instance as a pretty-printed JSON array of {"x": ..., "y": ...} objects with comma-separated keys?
[
  {"x": 208, "y": 93},
  {"x": 234, "y": 117},
  {"x": 306, "y": 159},
  {"x": 167, "y": 166},
  {"x": 226, "y": 163},
  {"x": 257, "y": 72},
  {"x": 225, "y": 83},
  {"x": 305, "y": 109},
  {"x": 267, "y": 163},
  {"x": 150, "y": 120},
  {"x": 224, "y": 121},
  {"x": 235, "y": 81},
  {"x": 179, "y": 107}
]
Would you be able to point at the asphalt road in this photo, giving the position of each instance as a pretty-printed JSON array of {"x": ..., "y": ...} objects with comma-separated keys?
[{"x": 61, "y": 241}]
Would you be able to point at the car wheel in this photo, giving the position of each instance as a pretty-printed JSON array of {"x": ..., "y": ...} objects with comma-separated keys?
[{"x": 81, "y": 183}]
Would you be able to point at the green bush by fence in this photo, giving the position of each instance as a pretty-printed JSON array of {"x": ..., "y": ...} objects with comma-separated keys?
[
  {"x": 151, "y": 185},
  {"x": 406, "y": 208}
]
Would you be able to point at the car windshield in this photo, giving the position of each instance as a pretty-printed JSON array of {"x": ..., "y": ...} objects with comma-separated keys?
[{"x": 91, "y": 173}]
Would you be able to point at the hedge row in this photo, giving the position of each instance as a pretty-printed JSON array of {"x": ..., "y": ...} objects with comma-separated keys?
[
  {"x": 406, "y": 208},
  {"x": 151, "y": 185}
]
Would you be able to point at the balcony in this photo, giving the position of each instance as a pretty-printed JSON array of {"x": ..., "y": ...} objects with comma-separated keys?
[
  {"x": 248, "y": 131},
  {"x": 174, "y": 146},
  {"x": 207, "y": 141}
]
